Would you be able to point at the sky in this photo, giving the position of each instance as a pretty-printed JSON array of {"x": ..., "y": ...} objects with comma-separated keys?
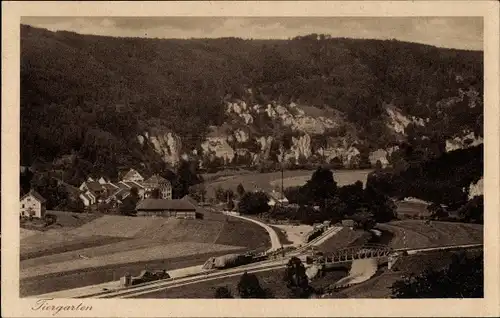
[{"x": 450, "y": 32}]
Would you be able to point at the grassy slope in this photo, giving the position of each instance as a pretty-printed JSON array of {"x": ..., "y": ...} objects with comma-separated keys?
[
  {"x": 344, "y": 238},
  {"x": 212, "y": 229},
  {"x": 420, "y": 235},
  {"x": 281, "y": 235},
  {"x": 89, "y": 276}
]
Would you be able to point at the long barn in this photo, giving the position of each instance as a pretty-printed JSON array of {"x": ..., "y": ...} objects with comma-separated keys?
[{"x": 182, "y": 209}]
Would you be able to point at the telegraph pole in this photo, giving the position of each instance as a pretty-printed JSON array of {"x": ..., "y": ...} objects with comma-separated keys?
[{"x": 282, "y": 172}]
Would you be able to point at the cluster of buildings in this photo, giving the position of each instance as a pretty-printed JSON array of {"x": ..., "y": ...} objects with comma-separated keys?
[
  {"x": 93, "y": 192},
  {"x": 105, "y": 191}
]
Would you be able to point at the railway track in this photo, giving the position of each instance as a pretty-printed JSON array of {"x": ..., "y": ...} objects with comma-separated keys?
[{"x": 157, "y": 286}]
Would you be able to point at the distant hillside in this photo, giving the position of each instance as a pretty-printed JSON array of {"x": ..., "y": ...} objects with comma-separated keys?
[{"x": 146, "y": 103}]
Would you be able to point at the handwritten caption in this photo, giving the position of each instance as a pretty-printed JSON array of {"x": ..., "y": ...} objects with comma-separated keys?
[{"x": 49, "y": 305}]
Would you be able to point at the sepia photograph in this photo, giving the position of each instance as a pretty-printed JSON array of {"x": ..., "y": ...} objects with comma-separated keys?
[{"x": 250, "y": 157}]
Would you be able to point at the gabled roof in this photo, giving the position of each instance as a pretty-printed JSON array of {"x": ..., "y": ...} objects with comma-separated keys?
[
  {"x": 163, "y": 204},
  {"x": 277, "y": 196},
  {"x": 122, "y": 185},
  {"x": 110, "y": 186},
  {"x": 131, "y": 184},
  {"x": 94, "y": 186},
  {"x": 190, "y": 199},
  {"x": 131, "y": 173},
  {"x": 34, "y": 194}
]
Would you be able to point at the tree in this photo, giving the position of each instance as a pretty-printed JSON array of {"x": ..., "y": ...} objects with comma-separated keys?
[
  {"x": 473, "y": 210},
  {"x": 462, "y": 279},
  {"x": 240, "y": 190},
  {"x": 187, "y": 176},
  {"x": 155, "y": 194},
  {"x": 249, "y": 287},
  {"x": 436, "y": 211},
  {"x": 134, "y": 192},
  {"x": 254, "y": 203},
  {"x": 198, "y": 192},
  {"x": 220, "y": 194},
  {"x": 379, "y": 205},
  {"x": 223, "y": 292},
  {"x": 128, "y": 206},
  {"x": 320, "y": 187},
  {"x": 25, "y": 181},
  {"x": 50, "y": 219},
  {"x": 230, "y": 205},
  {"x": 296, "y": 279}
]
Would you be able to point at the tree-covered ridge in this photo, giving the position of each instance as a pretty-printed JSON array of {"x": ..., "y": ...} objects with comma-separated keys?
[{"x": 96, "y": 94}]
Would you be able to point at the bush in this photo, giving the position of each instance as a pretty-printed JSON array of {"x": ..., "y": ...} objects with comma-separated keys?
[
  {"x": 254, "y": 203},
  {"x": 316, "y": 234},
  {"x": 223, "y": 292},
  {"x": 249, "y": 287},
  {"x": 50, "y": 219},
  {"x": 462, "y": 279}
]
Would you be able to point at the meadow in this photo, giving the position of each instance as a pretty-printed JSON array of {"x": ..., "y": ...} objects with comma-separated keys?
[{"x": 272, "y": 180}]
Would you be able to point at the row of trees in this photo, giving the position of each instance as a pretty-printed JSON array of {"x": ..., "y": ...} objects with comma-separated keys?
[{"x": 320, "y": 199}]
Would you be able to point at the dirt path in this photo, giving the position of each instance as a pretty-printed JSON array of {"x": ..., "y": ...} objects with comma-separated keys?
[{"x": 275, "y": 241}]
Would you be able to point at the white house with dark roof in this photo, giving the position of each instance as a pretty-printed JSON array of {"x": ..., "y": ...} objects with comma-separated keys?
[
  {"x": 277, "y": 198},
  {"x": 87, "y": 198},
  {"x": 132, "y": 175},
  {"x": 160, "y": 183},
  {"x": 33, "y": 204}
]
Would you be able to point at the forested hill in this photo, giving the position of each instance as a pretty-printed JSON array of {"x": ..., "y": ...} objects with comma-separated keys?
[{"x": 112, "y": 102}]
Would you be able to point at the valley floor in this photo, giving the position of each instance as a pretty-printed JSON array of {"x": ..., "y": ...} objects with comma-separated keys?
[{"x": 110, "y": 246}]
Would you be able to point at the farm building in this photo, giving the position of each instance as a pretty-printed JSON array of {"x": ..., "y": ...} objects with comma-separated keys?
[
  {"x": 181, "y": 209},
  {"x": 33, "y": 204},
  {"x": 277, "y": 198}
]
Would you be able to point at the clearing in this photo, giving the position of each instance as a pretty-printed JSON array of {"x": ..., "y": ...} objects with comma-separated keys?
[{"x": 268, "y": 181}]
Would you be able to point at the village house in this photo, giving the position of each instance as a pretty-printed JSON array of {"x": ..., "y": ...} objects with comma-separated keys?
[
  {"x": 93, "y": 186},
  {"x": 181, "y": 209},
  {"x": 33, "y": 205},
  {"x": 277, "y": 198},
  {"x": 88, "y": 198},
  {"x": 157, "y": 182},
  {"x": 132, "y": 175}
]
